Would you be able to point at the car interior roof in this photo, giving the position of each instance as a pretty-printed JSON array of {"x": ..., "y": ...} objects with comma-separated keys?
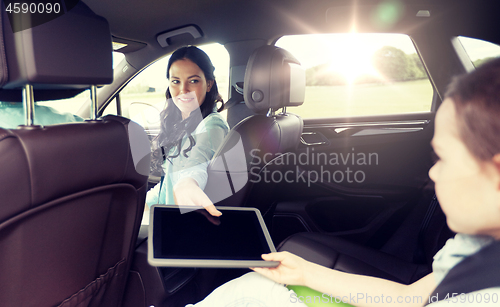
[{"x": 226, "y": 21}]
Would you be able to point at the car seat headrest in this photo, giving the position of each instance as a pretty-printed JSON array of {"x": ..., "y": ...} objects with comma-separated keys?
[
  {"x": 273, "y": 79},
  {"x": 72, "y": 51}
]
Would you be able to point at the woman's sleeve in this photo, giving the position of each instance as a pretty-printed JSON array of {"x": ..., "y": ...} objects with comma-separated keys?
[
  {"x": 152, "y": 195},
  {"x": 208, "y": 139}
]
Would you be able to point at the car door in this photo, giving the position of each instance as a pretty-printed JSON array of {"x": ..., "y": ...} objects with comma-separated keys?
[{"x": 362, "y": 162}]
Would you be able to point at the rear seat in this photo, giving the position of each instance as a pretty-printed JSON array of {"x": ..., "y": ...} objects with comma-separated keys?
[{"x": 339, "y": 254}]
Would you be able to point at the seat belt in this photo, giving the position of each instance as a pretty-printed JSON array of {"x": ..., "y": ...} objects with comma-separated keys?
[
  {"x": 236, "y": 96},
  {"x": 419, "y": 256},
  {"x": 163, "y": 176}
]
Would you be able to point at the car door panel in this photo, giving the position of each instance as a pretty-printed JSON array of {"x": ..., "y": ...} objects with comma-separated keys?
[{"x": 372, "y": 175}]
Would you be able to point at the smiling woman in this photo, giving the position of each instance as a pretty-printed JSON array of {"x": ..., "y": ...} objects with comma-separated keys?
[
  {"x": 142, "y": 99},
  {"x": 188, "y": 86},
  {"x": 191, "y": 131}
]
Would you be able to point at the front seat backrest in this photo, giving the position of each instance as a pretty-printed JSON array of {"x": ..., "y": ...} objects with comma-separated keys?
[
  {"x": 274, "y": 80},
  {"x": 71, "y": 195}
]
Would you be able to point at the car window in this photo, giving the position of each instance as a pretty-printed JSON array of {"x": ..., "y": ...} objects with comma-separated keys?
[
  {"x": 360, "y": 74},
  {"x": 479, "y": 51},
  {"x": 72, "y": 105},
  {"x": 143, "y": 98}
]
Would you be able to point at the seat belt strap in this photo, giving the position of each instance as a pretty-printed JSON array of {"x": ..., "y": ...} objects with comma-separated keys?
[
  {"x": 236, "y": 96},
  {"x": 162, "y": 177},
  {"x": 419, "y": 256}
]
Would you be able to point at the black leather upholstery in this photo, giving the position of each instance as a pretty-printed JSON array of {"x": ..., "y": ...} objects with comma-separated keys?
[
  {"x": 71, "y": 195},
  {"x": 342, "y": 255},
  {"x": 251, "y": 145},
  {"x": 68, "y": 53},
  {"x": 71, "y": 208},
  {"x": 273, "y": 79},
  {"x": 336, "y": 253}
]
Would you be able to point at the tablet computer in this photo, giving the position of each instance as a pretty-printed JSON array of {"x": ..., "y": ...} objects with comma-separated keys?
[{"x": 237, "y": 239}]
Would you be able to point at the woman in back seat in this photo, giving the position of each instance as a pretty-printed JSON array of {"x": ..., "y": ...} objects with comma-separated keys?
[
  {"x": 191, "y": 131},
  {"x": 466, "y": 271}
]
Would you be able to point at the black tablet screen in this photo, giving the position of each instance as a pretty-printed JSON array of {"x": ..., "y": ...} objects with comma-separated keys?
[{"x": 236, "y": 235}]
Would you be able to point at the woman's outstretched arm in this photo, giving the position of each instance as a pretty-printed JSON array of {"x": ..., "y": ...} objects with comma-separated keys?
[
  {"x": 193, "y": 176},
  {"x": 188, "y": 193}
]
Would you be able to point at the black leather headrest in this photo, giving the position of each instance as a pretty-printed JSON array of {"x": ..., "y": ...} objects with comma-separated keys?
[
  {"x": 273, "y": 79},
  {"x": 72, "y": 51}
]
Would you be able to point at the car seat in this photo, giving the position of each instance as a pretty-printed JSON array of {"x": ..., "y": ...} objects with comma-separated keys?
[
  {"x": 340, "y": 254},
  {"x": 71, "y": 195},
  {"x": 273, "y": 80}
]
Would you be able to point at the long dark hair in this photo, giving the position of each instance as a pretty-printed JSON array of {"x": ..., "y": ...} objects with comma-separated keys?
[{"x": 173, "y": 127}]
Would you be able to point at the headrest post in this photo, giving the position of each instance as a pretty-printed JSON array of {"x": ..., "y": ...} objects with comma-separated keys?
[
  {"x": 270, "y": 113},
  {"x": 93, "y": 102},
  {"x": 29, "y": 105},
  {"x": 283, "y": 111}
]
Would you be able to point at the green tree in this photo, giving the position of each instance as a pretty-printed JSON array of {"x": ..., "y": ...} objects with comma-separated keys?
[
  {"x": 392, "y": 63},
  {"x": 416, "y": 67},
  {"x": 323, "y": 75}
]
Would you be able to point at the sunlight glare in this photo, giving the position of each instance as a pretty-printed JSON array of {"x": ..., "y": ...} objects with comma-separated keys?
[{"x": 353, "y": 58}]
